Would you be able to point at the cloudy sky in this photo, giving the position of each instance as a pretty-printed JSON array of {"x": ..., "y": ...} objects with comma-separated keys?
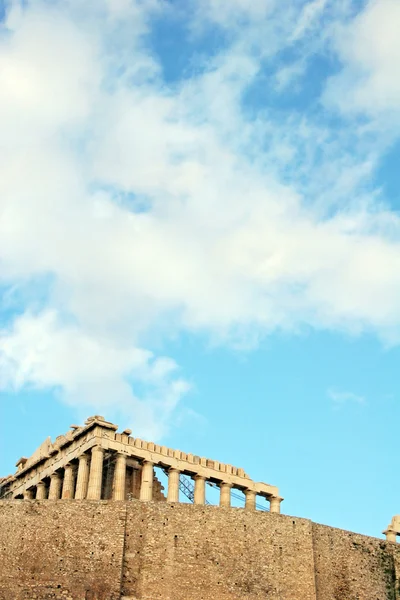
[{"x": 200, "y": 238}]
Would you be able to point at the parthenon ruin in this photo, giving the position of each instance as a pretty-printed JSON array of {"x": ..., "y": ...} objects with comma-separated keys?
[
  {"x": 86, "y": 518},
  {"x": 393, "y": 529},
  {"x": 94, "y": 462}
]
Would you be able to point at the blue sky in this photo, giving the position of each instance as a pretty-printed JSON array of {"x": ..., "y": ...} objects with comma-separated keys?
[{"x": 200, "y": 236}]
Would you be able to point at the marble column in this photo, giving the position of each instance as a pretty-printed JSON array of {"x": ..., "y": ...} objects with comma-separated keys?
[
  {"x": 146, "y": 488},
  {"x": 225, "y": 494},
  {"x": 199, "y": 489},
  {"x": 28, "y": 494},
  {"x": 136, "y": 482},
  {"x": 390, "y": 535},
  {"x": 41, "y": 491},
  {"x": 250, "y": 499},
  {"x": 83, "y": 477},
  {"x": 96, "y": 474},
  {"x": 119, "y": 478},
  {"x": 68, "y": 483},
  {"x": 173, "y": 485},
  {"x": 55, "y": 486},
  {"x": 275, "y": 504}
]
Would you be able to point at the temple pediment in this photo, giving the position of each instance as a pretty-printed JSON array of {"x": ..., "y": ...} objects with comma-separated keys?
[{"x": 40, "y": 453}]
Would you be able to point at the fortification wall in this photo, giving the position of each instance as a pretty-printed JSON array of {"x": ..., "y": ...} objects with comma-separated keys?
[
  {"x": 186, "y": 552},
  {"x": 104, "y": 550},
  {"x": 61, "y": 549},
  {"x": 352, "y": 566}
]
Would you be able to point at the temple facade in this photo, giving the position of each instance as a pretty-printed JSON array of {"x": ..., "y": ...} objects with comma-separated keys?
[{"x": 94, "y": 462}]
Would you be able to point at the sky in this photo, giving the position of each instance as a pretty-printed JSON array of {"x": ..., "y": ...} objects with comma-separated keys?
[{"x": 200, "y": 236}]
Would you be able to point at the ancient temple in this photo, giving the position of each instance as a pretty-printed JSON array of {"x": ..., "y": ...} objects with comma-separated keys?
[{"x": 94, "y": 462}]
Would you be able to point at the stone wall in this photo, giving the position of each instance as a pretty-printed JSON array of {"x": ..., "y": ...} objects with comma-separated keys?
[
  {"x": 352, "y": 566},
  {"x": 186, "y": 552},
  {"x": 61, "y": 549},
  {"x": 100, "y": 550}
]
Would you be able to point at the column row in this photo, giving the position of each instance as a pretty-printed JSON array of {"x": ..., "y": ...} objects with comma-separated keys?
[
  {"x": 199, "y": 496},
  {"x": 89, "y": 480},
  {"x": 89, "y": 483}
]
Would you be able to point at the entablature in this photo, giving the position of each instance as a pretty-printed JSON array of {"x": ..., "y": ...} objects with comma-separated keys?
[{"x": 51, "y": 457}]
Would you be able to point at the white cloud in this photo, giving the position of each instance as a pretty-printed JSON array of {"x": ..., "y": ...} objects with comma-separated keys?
[
  {"x": 343, "y": 397},
  {"x": 233, "y": 14},
  {"x": 90, "y": 370},
  {"x": 308, "y": 17},
  {"x": 154, "y": 208},
  {"x": 369, "y": 47},
  {"x": 49, "y": 75}
]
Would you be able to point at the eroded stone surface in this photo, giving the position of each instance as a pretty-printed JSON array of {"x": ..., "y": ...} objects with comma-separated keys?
[{"x": 104, "y": 550}]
